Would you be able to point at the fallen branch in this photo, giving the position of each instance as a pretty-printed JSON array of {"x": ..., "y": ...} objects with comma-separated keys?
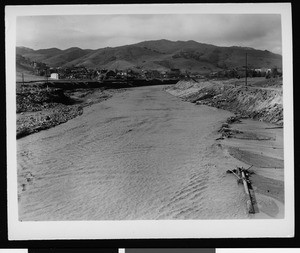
[{"x": 242, "y": 176}]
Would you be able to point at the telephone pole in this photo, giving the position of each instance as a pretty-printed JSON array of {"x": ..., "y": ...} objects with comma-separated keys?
[
  {"x": 46, "y": 73},
  {"x": 246, "y": 71}
]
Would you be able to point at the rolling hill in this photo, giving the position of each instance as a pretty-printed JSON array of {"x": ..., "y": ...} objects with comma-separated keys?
[
  {"x": 25, "y": 70},
  {"x": 156, "y": 55}
]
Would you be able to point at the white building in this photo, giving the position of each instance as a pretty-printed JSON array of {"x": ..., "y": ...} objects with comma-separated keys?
[{"x": 54, "y": 76}]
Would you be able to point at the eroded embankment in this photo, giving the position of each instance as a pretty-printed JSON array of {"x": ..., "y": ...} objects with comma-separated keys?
[
  {"x": 251, "y": 143},
  {"x": 40, "y": 107},
  {"x": 257, "y": 102}
]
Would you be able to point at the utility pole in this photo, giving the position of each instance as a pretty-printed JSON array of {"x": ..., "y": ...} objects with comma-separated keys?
[
  {"x": 246, "y": 70},
  {"x": 23, "y": 79},
  {"x": 46, "y": 73}
]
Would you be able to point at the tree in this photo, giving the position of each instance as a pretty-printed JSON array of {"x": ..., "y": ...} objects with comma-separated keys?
[{"x": 275, "y": 72}]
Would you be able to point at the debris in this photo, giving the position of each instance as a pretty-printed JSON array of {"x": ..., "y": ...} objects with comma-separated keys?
[
  {"x": 202, "y": 97},
  {"x": 228, "y": 132},
  {"x": 233, "y": 119},
  {"x": 29, "y": 177},
  {"x": 225, "y": 125},
  {"x": 243, "y": 177}
]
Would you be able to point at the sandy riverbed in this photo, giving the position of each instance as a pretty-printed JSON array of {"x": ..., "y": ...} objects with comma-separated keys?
[
  {"x": 251, "y": 142},
  {"x": 142, "y": 154}
]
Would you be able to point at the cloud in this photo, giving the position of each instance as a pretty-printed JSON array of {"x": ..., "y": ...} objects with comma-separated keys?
[{"x": 262, "y": 31}]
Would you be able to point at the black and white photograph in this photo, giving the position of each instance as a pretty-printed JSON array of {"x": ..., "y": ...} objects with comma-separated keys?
[{"x": 152, "y": 119}]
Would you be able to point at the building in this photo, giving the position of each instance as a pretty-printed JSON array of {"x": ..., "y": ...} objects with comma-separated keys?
[
  {"x": 54, "y": 76},
  {"x": 266, "y": 70},
  {"x": 110, "y": 74}
]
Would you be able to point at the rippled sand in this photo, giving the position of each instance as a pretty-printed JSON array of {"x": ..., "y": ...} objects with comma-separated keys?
[{"x": 142, "y": 154}]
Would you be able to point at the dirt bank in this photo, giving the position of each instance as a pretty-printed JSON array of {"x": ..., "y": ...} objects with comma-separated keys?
[
  {"x": 40, "y": 107},
  {"x": 261, "y": 99},
  {"x": 248, "y": 142}
]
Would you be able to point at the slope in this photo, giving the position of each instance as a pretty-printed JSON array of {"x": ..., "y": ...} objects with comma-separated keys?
[
  {"x": 66, "y": 56},
  {"x": 158, "y": 55}
]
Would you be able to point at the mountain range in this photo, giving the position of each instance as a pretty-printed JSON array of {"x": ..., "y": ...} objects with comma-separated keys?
[{"x": 156, "y": 55}]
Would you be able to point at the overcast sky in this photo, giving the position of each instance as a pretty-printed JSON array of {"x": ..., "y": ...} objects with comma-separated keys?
[{"x": 260, "y": 31}]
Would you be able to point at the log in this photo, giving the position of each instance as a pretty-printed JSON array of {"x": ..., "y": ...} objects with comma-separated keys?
[
  {"x": 245, "y": 183},
  {"x": 249, "y": 201},
  {"x": 234, "y": 174},
  {"x": 242, "y": 175}
]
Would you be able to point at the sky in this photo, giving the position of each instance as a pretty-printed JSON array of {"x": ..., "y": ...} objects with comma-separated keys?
[{"x": 259, "y": 31}]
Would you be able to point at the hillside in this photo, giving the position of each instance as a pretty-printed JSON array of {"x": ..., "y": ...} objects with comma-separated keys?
[
  {"x": 37, "y": 55},
  {"x": 64, "y": 57},
  {"x": 25, "y": 70},
  {"x": 157, "y": 55}
]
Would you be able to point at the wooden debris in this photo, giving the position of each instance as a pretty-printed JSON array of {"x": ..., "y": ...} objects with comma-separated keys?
[{"x": 243, "y": 177}]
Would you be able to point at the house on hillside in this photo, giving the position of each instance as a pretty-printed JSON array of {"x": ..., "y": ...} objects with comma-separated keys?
[
  {"x": 266, "y": 70},
  {"x": 54, "y": 76},
  {"x": 110, "y": 74}
]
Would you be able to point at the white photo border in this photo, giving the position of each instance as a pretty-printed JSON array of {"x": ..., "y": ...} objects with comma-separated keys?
[{"x": 150, "y": 229}]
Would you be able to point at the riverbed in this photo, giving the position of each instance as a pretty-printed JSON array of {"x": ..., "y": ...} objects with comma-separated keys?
[{"x": 143, "y": 154}]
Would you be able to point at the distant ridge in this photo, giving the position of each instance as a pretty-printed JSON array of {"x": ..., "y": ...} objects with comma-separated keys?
[{"x": 156, "y": 55}]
